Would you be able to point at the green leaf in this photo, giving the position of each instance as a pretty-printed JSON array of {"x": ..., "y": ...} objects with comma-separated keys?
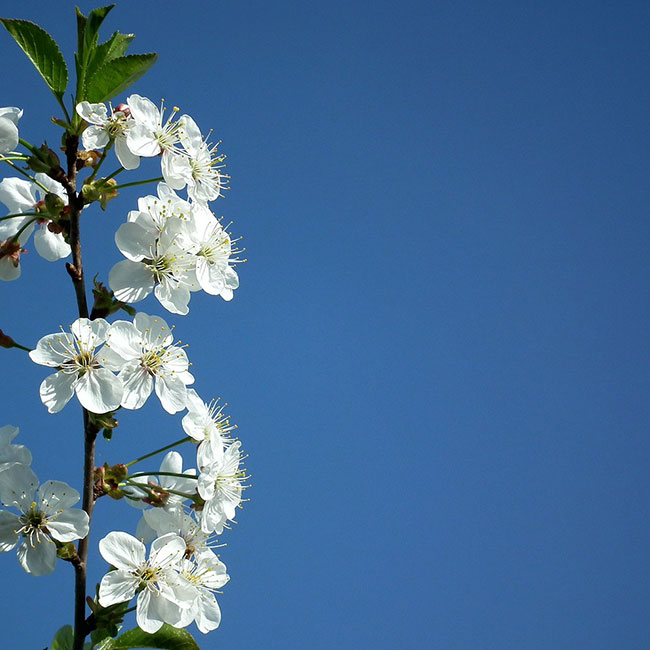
[
  {"x": 87, "y": 38},
  {"x": 167, "y": 638},
  {"x": 41, "y": 49},
  {"x": 116, "y": 46},
  {"x": 115, "y": 76},
  {"x": 63, "y": 639}
]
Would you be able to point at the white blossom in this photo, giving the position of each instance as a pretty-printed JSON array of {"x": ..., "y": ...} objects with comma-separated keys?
[
  {"x": 143, "y": 353},
  {"x": 212, "y": 249},
  {"x": 159, "y": 259},
  {"x": 42, "y": 521},
  {"x": 163, "y": 593},
  {"x": 152, "y": 135},
  {"x": 201, "y": 168},
  {"x": 207, "y": 574},
  {"x": 22, "y": 196},
  {"x": 104, "y": 127},
  {"x": 220, "y": 484},
  {"x": 208, "y": 425},
  {"x": 79, "y": 368},
  {"x": 9, "y": 116}
]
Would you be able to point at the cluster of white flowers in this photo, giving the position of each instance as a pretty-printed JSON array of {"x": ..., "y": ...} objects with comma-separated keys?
[
  {"x": 177, "y": 582},
  {"x": 140, "y": 352},
  {"x": 139, "y": 129},
  {"x": 173, "y": 247},
  {"x": 46, "y": 521}
]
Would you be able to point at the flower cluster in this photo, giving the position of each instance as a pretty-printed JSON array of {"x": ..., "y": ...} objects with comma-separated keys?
[
  {"x": 140, "y": 352},
  {"x": 46, "y": 521},
  {"x": 173, "y": 247},
  {"x": 176, "y": 584}
]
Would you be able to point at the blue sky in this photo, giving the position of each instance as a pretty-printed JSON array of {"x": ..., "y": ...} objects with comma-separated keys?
[{"x": 438, "y": 356}]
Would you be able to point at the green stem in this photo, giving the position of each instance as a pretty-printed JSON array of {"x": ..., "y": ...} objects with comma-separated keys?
[
  {"x": 65, "y": 110},
  {"x": 21, "y": 347},
  {"x": 16, "y": 157},
  {"x": 148, "y": 489},
  {"x": 20, "y": 214},
  {"x": 28, "y": 145},
  {"x": 140, "y": 474},
  {"x": 119, "y": 170},
  {"x": 31, "y": 178},
  {"x": 24, "y": 227},
  {"x": 107, "y": 148},
  {"x": 149, "y": 180},
  {"x": 158, "y": 451}
]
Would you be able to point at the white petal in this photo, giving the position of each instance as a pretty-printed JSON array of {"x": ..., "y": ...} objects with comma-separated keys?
[
  {"x": 173, "y": 298},
  {"x": 130, "y": 281},
  {"x": 146, "y": 614},
  {"x": 50, "y": 246},
  {"x": 208, "y": 616},
  {"x": 124, "y": 339},
  {"x": 138, "y": 384},
  {"x": 53, "y": 350},
  {"x": 141, "y": 142},
  {"x": 69, "y": 525},
  {"x": 95, "y": 137},
  {"x": 93, "y": 113},
  {"x": 172, "y": 393},
  {"x": 40, "y": 559},
  {"x": 18, "y": 195},
  {"x": 117, "y": 587},
  {"x": 122, "y": 550},
  {"x": 57, "y": 390},
  {"x": 55, "y": 496},
  {"x": 8, "y": 526},
  {"x": 17, "y": 486},
  {"x": 8, "y": 135},
  {"x": 99, "y": 391},
  {"x": 166, "y": 550},
  {"x": 134, "y": 242},
  {"x": 153, "y": 330},
  {"x": 127, "y": 159}
]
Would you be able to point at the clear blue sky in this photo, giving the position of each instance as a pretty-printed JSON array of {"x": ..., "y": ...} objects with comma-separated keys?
[{"x": 439, "y": 354}]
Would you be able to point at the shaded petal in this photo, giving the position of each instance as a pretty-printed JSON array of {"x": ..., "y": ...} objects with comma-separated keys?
[
  {"x": 146, "y": 614},
  {"x": 39, "y": 560},
  {"x": 50, "y": 246},
  {"x": 69, "y": 525},
  {"x": 57, "y": 390},
  {"x": 99, "y": 391},
  {"x": 138, "y": 384},
  {"x": 166, "y": 550},
  {"x": 56, "y": 496},
  {"x": 208, "y": 615},
  {"x": 172, "y": 393},
  {"x": 8, "y": 526},
  {"x": 130, "y": 281},
  {"x": 117, "y": 587},
  {"x": 53, "y": 350},
  {"x": 134, "y": 241},
  {"x": 127, "y": 158}
]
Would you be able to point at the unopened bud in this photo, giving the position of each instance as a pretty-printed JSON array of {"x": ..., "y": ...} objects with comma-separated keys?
[
  {"x": 124, "y": 109},
  {"x": 54, "y": 204},
  {"x": 89, "y": 158},
  {"x": 6, "y": 341}
]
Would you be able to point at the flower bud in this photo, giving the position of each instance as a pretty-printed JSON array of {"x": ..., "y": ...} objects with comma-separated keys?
[{"x": 54, "y": 204}]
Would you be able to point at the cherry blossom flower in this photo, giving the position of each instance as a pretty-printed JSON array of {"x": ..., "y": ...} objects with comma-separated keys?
[
  {"x": 208, "y": 425},
  {"x": 103, "y": 128},
  {"x": 9, "y": 116},
  {"x": 152, "y": 136},
  {"x": 160, "y": 259},
  {"x": 207, "y": 574},
  {"x": 202, "y": 166},
  {"x": 212, "y": 249},
  {"x": 79, "y": 368},
  {"x": 220, "y": 484},
  {"x": 143, "y": 353},
  {"x": 23, "y": 196},
  {"x": 43, "y": 521},
  {"x": 162, "y": 593}
]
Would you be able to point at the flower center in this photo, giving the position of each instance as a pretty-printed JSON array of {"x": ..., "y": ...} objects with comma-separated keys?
[{"x": 153, "y": 360}]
